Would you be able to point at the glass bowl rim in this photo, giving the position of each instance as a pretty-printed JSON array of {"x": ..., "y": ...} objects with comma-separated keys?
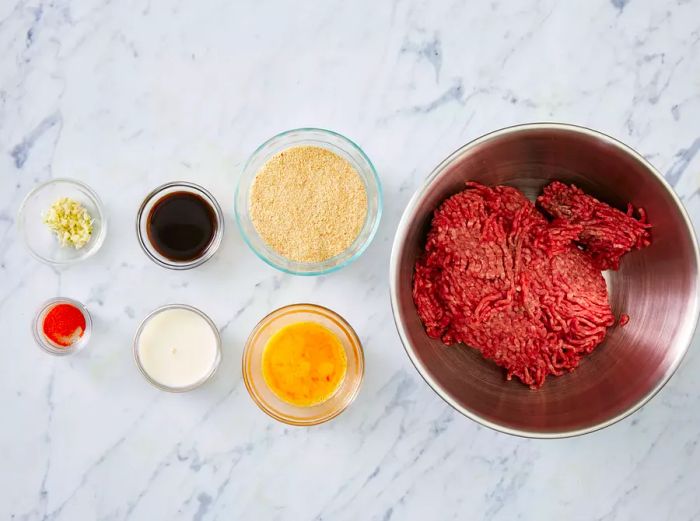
[
  {"x": 365, "y": 244},
  {"x": 201, "y": 381},
  {"x": 247, "y": 354},
  {"x": 97, "y": 241},
  {"x": 212, "y": 248}
]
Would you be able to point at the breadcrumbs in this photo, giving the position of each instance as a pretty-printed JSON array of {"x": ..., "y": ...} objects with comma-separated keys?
[{"x": 308, "y": 203}]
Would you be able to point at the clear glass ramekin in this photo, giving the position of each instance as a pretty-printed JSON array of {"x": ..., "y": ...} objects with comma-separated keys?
[
  {"x": 49, "y": 346},
  {"x": 40, "y": 240},
  {"x": 267, "y": 400},
  {"x": 337, "y": 144},
  {"x": 137, "y": 355},
  {"x": 142, "y": 224}
]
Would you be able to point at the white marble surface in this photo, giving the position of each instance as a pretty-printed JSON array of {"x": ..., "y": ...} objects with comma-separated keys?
[{"x": 126, "y": 95}]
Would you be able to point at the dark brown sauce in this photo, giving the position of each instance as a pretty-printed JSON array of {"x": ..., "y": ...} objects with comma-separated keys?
[{"x": 181, "y": 226}]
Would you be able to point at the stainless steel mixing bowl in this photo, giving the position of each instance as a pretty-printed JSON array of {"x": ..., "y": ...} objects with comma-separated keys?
[{"x": 657, "y": 286}]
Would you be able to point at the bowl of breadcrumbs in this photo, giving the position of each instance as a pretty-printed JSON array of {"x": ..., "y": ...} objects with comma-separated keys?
[{"x": 308, "y": 201}]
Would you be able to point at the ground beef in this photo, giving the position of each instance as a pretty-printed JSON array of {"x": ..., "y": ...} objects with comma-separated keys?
[
  {"x": 604, "y": 232},
  {"x": 528, "y": 293}
]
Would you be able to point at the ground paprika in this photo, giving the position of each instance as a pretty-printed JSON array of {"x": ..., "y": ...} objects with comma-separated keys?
[{"x": 64, "y": 325}]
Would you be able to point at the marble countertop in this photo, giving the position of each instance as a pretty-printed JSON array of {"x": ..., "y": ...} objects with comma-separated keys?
[{"x": 127, "y": 95}]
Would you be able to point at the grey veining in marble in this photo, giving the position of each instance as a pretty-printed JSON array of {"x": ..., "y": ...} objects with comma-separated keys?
[{"x": 126, "y": 95}]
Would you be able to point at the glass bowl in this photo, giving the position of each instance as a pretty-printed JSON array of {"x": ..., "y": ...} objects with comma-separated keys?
[
  {"x": 337, "y": 144},
  {"x": 267, "y": 400},
  {"x": 49, "y": 346},
  {"x": 142, "y": 225},
  {"x": 40, "y": 240},
  {"x": 137, "y": 355}
]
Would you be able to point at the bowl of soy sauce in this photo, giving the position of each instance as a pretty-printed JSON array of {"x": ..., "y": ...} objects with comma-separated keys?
[{"x": 180, "y": 225}]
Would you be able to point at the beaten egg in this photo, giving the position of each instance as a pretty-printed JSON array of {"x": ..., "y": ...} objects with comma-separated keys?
[{"x": 304, "y": 363}]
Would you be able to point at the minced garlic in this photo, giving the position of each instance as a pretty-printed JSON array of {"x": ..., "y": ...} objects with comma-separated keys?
[{"x": 70, "y": 221}]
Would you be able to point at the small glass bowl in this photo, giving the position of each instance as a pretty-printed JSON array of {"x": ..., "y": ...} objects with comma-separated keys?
[
  {"x": 142, "y": 225},
  {"x": 49, "y": 346},
  {"x": 198, "y": 383},
  {"x": 337, "y": 144},
  {"x": 40, "y": 240},
  {"x": 267, "y": 400}
]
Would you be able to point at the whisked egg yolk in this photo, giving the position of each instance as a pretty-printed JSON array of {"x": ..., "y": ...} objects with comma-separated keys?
[{"x": 304, "y": 363}]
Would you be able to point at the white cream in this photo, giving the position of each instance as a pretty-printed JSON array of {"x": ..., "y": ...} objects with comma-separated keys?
[{"x": 177, "y": 347}]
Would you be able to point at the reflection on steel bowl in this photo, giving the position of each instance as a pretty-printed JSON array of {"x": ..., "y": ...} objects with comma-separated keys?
[{"x": 658, "y": 285}]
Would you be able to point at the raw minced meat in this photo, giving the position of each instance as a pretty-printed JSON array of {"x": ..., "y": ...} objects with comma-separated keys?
[
  {"x": 525, "y": 291},
  {"x": 604, "y": 232}
]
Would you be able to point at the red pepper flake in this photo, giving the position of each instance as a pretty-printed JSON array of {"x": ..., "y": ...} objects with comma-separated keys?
[
  {"x": 624, "y": 319},
  {"x": 64, "y": 325}
]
